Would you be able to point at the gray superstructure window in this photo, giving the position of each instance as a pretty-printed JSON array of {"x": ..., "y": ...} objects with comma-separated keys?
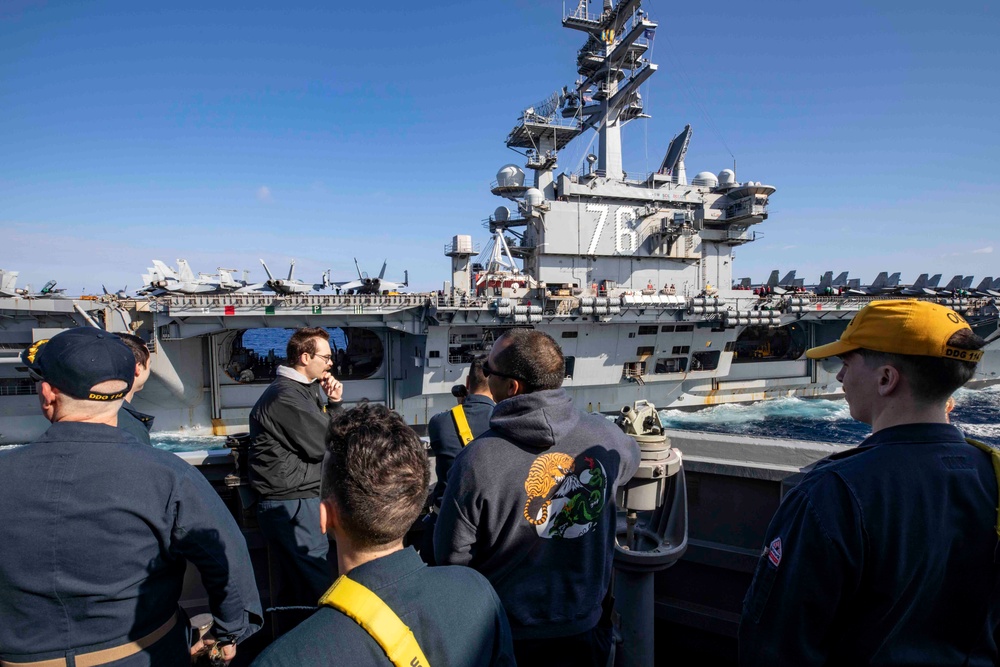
[{"x": 671, "y": 365}]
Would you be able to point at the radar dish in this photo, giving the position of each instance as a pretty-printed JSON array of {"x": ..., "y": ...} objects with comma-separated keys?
[
  {"x": 502, "y": 214},
  {"x": 510, "y": 176},
  {"x": 705, "y": 178},
  {"x": 727, "y": 177},
  {"x": 534, "y": 197},
  {"x": 677, "y": 150}
]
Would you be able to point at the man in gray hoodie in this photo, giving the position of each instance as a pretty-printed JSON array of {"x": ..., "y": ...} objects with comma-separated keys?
[{"x": 531, "y": 505}]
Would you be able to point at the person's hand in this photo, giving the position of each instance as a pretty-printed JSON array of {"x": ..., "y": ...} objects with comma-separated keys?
[
  {"x": 218, "y": 654},
  {"x": 333, "y": 387}
]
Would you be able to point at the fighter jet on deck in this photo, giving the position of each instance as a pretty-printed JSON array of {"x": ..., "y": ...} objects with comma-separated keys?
[
  {"x": 986, "y": 288},
  {"x": 366, "y": 285},
  {"x": 290, "y": 285},
  {"x": 8, "y": 288},
  {"x": 922, "y": 287},
  {"x": 882, "y": 284},
  {"x": 161, "y": 279}
]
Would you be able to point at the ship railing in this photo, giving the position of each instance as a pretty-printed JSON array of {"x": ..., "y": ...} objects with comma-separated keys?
[
  {"x": 462, "y": 301},
  {"x": 588, "y": 172},
  {"x": 474, "y": 249},
  {"x": 293, "y": 300}
]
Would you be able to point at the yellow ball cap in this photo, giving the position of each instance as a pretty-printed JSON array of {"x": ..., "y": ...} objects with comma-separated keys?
[{"x": 905, "y": 326}]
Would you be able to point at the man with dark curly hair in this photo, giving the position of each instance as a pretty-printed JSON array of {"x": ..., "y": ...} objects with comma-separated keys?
[{"x": 375, "y": 478}]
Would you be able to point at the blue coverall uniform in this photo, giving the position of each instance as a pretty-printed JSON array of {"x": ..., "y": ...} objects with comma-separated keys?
[
  {"x": 96, "y": 535},
  {"x": 882, "y": 555},
  {"x": 454, "y": 614}
]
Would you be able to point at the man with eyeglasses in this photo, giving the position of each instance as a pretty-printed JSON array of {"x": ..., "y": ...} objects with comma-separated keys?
[
  {"x": 288, "y": 428},
  {"x": 531, "y": 505}
]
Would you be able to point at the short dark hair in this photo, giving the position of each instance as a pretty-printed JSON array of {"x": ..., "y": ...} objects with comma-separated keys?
[
  {"x": 138, "y": 347},
  {"x": 376, "y": 471},
  {"x": 477, "y": 380},
  {"x": 533, "y": 356},
  {"x": 303, "y": 341},
  {"x": 931, "y": 379}
]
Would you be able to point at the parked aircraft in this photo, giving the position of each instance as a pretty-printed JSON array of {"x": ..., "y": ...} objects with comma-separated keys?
[
  {"x": 986, "y": 288},
  {"x": 922, "y": 286},
  {"x": 775, "y": 285},
  {"x": 366, "y": 285},
  {"x": 8, "y": 288},
  {"x": 8, "y": 282},
  {"x": 161, "y": 279},
  {"x": 881, "y": 285},
  {"x": 290, "y": 285}
]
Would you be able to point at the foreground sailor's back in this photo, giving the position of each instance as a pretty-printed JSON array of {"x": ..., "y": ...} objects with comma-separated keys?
[{"x": 98, "y": 530}]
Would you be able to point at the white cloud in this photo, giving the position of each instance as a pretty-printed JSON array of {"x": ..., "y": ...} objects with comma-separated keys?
[
  {"x": 264, "y": 194},
  {"x": 983, "y": 251}
]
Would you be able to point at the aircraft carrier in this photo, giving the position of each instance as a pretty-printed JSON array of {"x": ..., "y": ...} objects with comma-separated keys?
[{"x": 631, "y": 274}]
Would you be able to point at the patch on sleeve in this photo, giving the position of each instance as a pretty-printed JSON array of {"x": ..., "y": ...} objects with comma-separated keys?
[{"x": 774, "y": 552}]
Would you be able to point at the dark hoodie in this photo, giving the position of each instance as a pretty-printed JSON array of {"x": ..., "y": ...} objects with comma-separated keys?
[{"x": 531, "y": 505}]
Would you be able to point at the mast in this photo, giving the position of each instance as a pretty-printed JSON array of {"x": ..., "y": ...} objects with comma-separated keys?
[{"x": 612, "y": 67}]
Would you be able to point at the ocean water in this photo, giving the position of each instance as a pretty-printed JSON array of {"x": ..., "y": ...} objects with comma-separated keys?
[{"x": 977, "y": 413}]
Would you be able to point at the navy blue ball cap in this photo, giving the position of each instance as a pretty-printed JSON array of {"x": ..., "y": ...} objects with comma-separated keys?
[{"x": 75, "y": 360}]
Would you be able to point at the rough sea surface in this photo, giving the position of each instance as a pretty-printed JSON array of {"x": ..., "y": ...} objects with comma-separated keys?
[{"x": 977, "y": 413}]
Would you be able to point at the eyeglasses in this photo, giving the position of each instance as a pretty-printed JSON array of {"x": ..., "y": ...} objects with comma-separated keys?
[
  {"x": 327, "y": 357},
  {"x": 487, "y": 371}
]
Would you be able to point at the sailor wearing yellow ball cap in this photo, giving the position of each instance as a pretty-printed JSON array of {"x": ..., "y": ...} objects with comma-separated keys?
[{"x": 886, "y": 553}]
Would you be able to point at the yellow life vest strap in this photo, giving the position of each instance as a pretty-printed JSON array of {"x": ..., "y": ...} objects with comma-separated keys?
[
  {"x": 461, "y": 424},
  {"x": 995, "y": 458},
  {"x": 369, "y": 611}
]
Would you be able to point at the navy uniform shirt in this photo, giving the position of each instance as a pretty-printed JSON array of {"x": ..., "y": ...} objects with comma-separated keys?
[
  {"x": 444, "y": 439},
  {"x": 882, "y": 555},
  {"x": 96, "y": 533},
  {"x": 137, "y": 423},
  {"x": 453, "y": 612}
]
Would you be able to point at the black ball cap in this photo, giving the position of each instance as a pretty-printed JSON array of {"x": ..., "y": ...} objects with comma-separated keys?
[{"x": 75, "y": 360}]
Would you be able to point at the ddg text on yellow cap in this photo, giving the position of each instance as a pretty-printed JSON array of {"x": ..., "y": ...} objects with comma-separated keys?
[{"x": 905, "y": 326}]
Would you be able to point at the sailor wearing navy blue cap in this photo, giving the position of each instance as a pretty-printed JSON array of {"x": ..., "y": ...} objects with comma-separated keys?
[{"x": 94, "y": 554}]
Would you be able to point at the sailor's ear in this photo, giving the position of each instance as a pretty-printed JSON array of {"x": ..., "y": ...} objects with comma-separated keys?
[
  {"x": 328, "y": 516},
  {"x": 889, "y": 379}
]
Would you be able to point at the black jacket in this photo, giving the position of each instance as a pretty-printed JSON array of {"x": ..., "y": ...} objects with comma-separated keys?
[{"x": 288, "y": 428}]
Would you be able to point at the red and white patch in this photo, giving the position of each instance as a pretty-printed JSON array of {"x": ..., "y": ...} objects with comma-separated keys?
[{"x": 774, "y": 552}]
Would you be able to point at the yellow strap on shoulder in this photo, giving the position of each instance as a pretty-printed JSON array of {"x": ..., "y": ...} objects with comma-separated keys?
[
  {"x": 369, "y": 611},
  {"x": 995, "y": 458},
  {"x": 461, "y": 424}
]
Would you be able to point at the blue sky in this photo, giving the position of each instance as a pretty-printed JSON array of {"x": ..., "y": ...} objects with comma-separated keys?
[{"x": 222, "y": 132}]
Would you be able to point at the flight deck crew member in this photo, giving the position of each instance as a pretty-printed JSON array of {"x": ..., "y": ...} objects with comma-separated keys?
[
  {"x": 374, "y": 486},
  {"x": 98, "y": 529},
  {"x": 288, "y": 428},
  {"x": 886, "y": 554},
  {"x": 531, "y": 505},
  {"x": 449, "y": 432},
  {"x": 137, "y": 423}
]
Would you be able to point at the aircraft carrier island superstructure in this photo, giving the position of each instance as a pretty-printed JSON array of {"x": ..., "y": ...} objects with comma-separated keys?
[{"x": 631, "y": 275}]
